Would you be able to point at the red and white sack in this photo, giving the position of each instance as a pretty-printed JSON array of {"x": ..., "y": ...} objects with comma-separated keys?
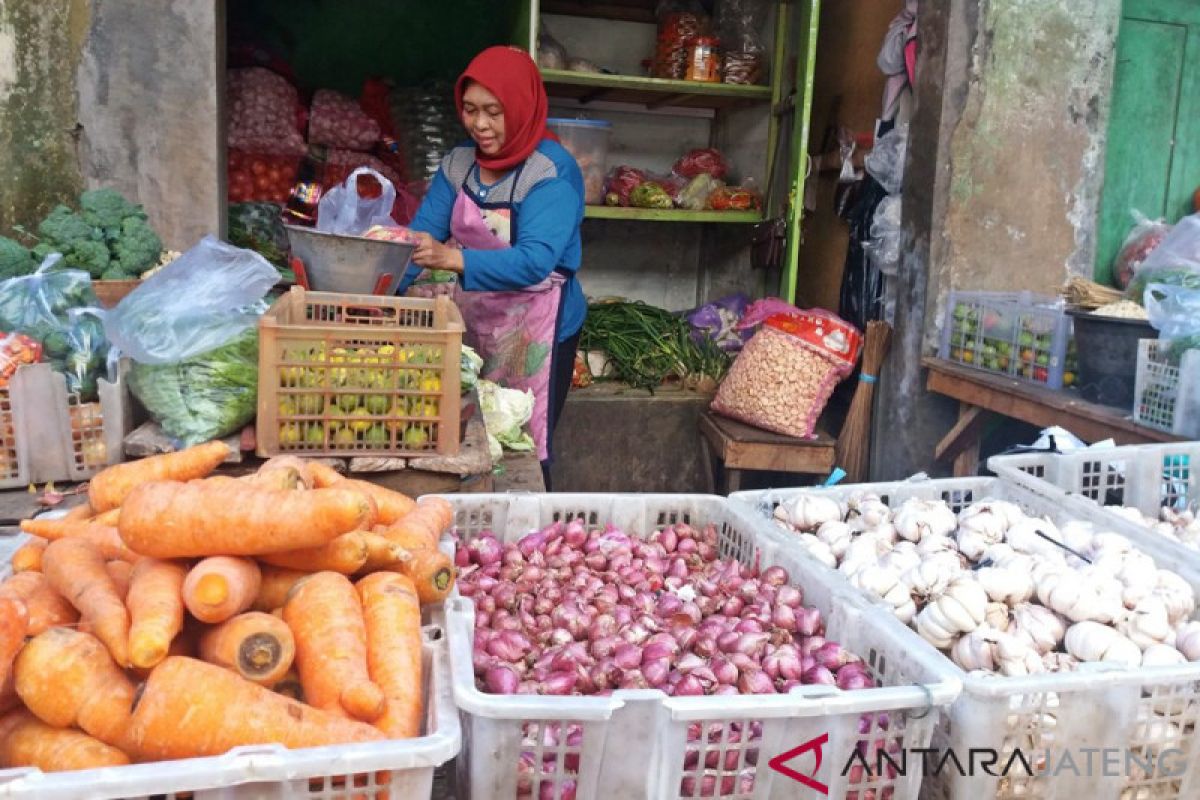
[
  {"x": 785, "y": 374},
  {"x": 339, "y": 121},
  {"x": 263, "y": 113}
]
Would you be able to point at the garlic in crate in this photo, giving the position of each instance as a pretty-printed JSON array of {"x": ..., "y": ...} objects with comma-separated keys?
[
  {"x": 1078, "y": 597},
  {"x": 1006, "y": 584},
  {"x": 1146, "y": 623},
  {"x": 807, "y": 512},
  {"x": 1092, "y": 641},
  {"x": 868, "y": 511},
  {"x": 837, "y": 535},
  {"x": 959, "y": 609},
  {"x": 917, "y": 519},
  {"x": 1187, "y": 640},
  {"x": 1162, "y": 655},
  {"x": 886, "y": 585},
  {"x": 1038, "y": 626}
]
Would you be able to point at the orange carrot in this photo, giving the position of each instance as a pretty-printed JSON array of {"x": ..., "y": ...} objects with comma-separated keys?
[
  {"x": 326, "y": 617},
  {"x": 382, "y": 552},
  {"x": 68, "y": 678},
  {"x": 155, "y": 602},
  {"x": 46, "y": 606},
  {"x": 289, "y": 685},
  {"x": 189, "y": 708},
  {"x": 432, "y": 572},
  {"x": 392, "y": 612},
  {"x": 14, "y": 625},
  {"x": 103, "y": 536},
  {"x": 219, "y": 587},
  {"x": 8, "y": 694},
  {"x": 324, "y": 476},
  {"x": 109, "y": 517},
  {"x": 257, "y": 646},
  {"x": 28, "y": 557},
  {"x": 75, "y": 568},
  {"x": 81, "y": 511},
  {"x": 345, "y": 554},
  {"x": 112, "y": 485},
  {"x": 26, "y": 741},
  {"x": 302, "y": 466},
  {"x": 424, "y": 525},
  {"x": 182, "y": 520},
  {"x": 275, "y": 585},
  {"x": 288, "y": 478},
  {"x": 184, "y": 644},
  {"x": 120, "y": 572}
]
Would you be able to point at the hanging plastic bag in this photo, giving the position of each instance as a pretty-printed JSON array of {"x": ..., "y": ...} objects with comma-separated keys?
[
  {"x": 196, "y": 303},
  {"x": 886, "y": 160},
  {"x": 719, "y": 320},
  {"x": 1145, "y": 236},
  {"x": 37, "y": 304},
  {"x": 87, "y": 352},
  {"x": 883, "y": 248},
  {"x": 345, "y": 211},
  {"x": 1176, "y": 261}
]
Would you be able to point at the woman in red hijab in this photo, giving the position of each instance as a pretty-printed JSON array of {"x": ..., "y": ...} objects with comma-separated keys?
[{"x": 504, "y": 212}]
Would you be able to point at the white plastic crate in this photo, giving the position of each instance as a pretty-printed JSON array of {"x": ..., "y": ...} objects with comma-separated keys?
[
  {"x": 1146, "y": 477},
  {"x": 1052, "y": 716},
  {"x": 635, "y": 743},
  {"x": 59, "y": 436},
  {"x": 397, "y": 769},
  {"x": 1167, "y": 395}
]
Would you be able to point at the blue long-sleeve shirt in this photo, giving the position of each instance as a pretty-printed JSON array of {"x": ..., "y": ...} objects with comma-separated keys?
[{"x": 546, "y": 201}]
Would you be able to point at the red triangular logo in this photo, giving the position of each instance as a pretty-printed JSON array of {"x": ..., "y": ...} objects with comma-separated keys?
[{"x": 779, "y": 763}]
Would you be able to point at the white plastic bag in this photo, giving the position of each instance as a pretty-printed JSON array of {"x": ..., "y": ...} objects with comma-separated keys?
[
  {"x": 342, "y": 210},
  {"x": 885, "y": 162},
  {"x": 196, "y": 303},
  {"x": 1176, "y": 260}
]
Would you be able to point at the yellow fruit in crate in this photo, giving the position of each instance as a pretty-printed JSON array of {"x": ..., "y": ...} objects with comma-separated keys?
[
  {"x": 431, "y": 382},
  {"x": 416, "y": 436},
  {"x": 429, "y": 408},
  {"x": 377, "y": 404},
  {"x": 289, "y": 433},
  {"x": 360, "y": 421},
  {"x": 312, "y": 379},
  {"x": 344, "y": 437},
  {"x": 315, "y": 435},
  {"x": 95, "y": 453},
  {"x": 348, "y": 402},
  {"x": 378, "y": 379},
  {"x": 310, "y": 404},
  {"x": 377, "y": 435},
  {"x": 387, "y": 350},
  {"x": 287, "y": 407}
]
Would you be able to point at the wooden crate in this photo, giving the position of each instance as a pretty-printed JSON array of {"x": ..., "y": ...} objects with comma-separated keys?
[{"x": 359, "y": 375}]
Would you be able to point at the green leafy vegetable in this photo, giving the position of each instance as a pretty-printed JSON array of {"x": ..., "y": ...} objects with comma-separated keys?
[
  {"x": 650, "y": 195},
  {"x": 15, "y": 259},
  {"x": 204, "y": 397},
  {"x": 469, "y": 366}
]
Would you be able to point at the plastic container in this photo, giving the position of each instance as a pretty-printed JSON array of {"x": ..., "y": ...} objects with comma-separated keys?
[
  {"x": 1108, "y": 356},
  {"x": 57, "y": 436},
  {"x": 587, "y": 140},
  {"x": 633, "y": 742},
  {"x": 395, "y": 769},
  {"x": 1019, "y": 334},
  {"x": 1146, "y": 477},
  {"x": 1167, "y": 394},
  {"x": 356, "y": 375},
  {"x": 1052, "y": 716},
  {"x": 352, "y": 264},
  {"x": 14, "y": 457}
]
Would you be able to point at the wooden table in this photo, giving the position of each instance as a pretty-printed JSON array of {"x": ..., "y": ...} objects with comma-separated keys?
[
  {"x": 741, "y": 447},
  {"x": 980, "y": 393}
]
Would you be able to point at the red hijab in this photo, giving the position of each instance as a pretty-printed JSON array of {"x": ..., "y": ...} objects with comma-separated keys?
[{"x": 511, "y": 75}]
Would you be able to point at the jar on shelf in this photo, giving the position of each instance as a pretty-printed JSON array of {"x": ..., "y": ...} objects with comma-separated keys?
[{"x": 703, "y": 60}]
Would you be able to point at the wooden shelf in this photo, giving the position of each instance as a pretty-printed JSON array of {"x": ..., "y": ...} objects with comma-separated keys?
[
  {"x": 650, "y": 92},
  {"x": 624, "y": 10},
  {"x": 669, "y": 214}
]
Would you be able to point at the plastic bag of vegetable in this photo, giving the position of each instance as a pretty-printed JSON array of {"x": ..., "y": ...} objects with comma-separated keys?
[
  {"x": 620, "y": 183},
  {"x": 718, "y": 321},
  {"x": 87, "y": 352},
  {"x": 505, "y": 414},
  {"x": 203, "y": 397},
  {"x": 650, "y": 195},
  {"x": 258, "y": 227},
  {"x": 1176, "y": 260},
  {"x": 196, "y": 303},
  {"x": 1143, "y": 238},
  {"x": 694, "y": 196}
]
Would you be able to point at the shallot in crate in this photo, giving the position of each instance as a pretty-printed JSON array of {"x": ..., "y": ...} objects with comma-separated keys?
[
  {"x": 1068, "y": 637},
  {"x": 655, "y": 646}
]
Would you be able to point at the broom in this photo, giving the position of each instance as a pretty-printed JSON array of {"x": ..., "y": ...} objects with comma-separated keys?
[{"x": 854, "y": 444}]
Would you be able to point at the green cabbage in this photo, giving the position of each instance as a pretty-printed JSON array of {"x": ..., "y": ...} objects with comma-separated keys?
[
  {"x": 505, "y": 413},
  {"x": 207, "y": 396}
]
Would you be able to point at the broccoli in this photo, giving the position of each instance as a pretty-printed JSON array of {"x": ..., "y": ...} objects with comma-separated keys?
[
  {"x": 63, "y": 228},
  {"x": 139, "y": 247},
  {"x": 14, "y": 259},
  {"x": 90, "y": 256},
  {"x": 107, "y": 209},
  {"x": 114, "y": 273}
]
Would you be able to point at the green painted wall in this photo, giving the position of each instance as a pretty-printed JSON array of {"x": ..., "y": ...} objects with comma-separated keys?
[
  {"x": 413, "y": 41},
  {"x": 41, "y": 42}
]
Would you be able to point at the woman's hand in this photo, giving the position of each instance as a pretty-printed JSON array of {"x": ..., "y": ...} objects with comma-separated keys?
[{"x": 432, "y": 254}]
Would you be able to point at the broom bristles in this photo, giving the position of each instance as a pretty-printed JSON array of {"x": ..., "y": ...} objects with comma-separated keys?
[{"x": 854, "y": 442}]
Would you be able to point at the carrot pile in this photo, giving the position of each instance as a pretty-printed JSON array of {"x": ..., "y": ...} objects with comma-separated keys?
[{"x": 181, "y": 614}]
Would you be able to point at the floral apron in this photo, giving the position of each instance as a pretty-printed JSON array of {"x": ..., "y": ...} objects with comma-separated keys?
[{"x": 514, "y": 332}]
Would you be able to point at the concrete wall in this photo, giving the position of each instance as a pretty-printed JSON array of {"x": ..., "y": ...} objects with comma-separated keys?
[
  {"x": 1025, "y": 157},
  {"x": 151, "y": 84},
  {"x": 41, "y": 42},
  {"x": 119, "y": 93}
]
